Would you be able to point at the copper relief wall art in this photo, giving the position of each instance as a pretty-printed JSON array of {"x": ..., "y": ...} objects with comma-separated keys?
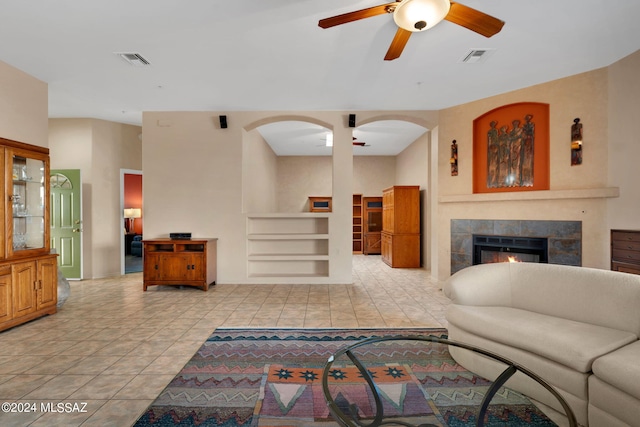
[{"x": 511, "y": 149}]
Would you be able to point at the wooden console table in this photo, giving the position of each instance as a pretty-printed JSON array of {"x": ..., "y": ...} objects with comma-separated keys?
[{"x": 188, "y": 262}]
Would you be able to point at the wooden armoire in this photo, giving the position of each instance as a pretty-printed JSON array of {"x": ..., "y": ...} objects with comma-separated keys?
[{"x": 401, "y": 226}]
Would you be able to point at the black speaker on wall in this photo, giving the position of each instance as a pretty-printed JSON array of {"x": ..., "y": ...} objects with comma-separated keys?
[
  {"x": 223, "y": 122},
  {"x": 352, "y": 120}
]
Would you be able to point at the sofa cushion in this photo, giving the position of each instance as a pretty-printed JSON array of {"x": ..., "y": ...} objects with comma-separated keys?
[
  {"x": 573, "y": 344},
  {"x": 622, "y": 408},
  {"x": 621, "y": 369},
  {"x": 562, "y": 377}
]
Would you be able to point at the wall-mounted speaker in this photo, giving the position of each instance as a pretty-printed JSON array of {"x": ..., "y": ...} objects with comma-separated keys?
[
  {"x": 223, "y": 122},
  {"x": 352, "y": 120}
]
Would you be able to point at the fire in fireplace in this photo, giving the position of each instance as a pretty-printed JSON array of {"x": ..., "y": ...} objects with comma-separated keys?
[{"x": 489, "y": 249}]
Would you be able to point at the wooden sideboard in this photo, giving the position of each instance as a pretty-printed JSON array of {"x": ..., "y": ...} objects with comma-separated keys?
[
  {"x": 625, "y": 251},
  {"x": 188, "y": 262}
]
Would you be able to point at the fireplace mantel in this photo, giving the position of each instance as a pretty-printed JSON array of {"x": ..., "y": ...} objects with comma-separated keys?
[{"x": 584, "y": 193}]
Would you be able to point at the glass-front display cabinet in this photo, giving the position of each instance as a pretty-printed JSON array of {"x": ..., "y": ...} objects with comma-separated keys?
[
  {"x": 28, "y": 270},
  {"x": 29, "y": 172}
]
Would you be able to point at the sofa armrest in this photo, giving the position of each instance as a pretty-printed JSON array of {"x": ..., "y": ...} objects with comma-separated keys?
[{"x": 484, "y": 285}]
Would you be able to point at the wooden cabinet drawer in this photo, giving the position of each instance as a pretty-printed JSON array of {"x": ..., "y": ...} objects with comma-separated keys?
[
  {"x": 627, "y": 236},
  {"x": 625, "y": 256},
  {"x": 5, "y": 269},
  {"x": 626, "y": 245}
]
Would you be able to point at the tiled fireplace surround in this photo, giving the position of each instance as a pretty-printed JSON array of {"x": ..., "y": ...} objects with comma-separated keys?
[{"x": 564, "y": 238}]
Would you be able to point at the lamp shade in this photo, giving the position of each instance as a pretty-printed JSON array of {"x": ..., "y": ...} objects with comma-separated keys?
[
  {"x": 132, "y": 213},
  {"x": 420, "y": 15}
]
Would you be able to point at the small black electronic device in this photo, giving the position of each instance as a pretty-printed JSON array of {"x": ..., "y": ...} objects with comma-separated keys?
[{"x": 180, "y": 235}]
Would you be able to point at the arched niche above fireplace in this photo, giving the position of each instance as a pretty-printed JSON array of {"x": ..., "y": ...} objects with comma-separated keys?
[{"x": 511, "y": 149}]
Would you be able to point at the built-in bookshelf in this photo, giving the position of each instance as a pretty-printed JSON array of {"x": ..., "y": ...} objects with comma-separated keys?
[
  {"x": 357, "y": 223},
  {"x": 288, "y": 245}
]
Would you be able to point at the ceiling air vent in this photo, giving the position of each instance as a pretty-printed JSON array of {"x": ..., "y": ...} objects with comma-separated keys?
[
  {"x": 477, "y": 55},
  {"x": 134, "y": 59}
]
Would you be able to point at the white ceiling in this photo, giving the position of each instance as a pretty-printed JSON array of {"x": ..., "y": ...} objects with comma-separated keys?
[
  {"x": 381, "y": 138},
  {"x": 261, "y": 55}
]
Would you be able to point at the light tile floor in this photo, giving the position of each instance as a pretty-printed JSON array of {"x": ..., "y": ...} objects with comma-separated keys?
[{"x": 111, "y": 349}]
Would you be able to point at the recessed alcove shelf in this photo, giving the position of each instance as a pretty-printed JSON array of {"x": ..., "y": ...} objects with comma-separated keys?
[
  {"x": 584, "y": 193},
  {"x": 288, "y": 245}
]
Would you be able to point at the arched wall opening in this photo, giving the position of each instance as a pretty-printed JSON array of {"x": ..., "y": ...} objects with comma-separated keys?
[
  {"x": 392, "y": 150},
  {"x": 286, "y": 160}
]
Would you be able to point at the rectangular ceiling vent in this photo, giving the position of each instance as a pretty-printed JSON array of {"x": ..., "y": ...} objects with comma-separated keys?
[
  {"x": 134, "y": 59},
  {"x": 475, "y": 56}
]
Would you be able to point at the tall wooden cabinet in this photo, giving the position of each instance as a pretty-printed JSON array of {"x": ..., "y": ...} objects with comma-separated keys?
[
  {"x": 28, "y": 271},
  {"x": 400, "y": 244}
]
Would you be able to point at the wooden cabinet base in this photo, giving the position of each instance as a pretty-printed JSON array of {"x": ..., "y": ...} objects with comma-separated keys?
[
  {"x": 28, "y": 290},
  {"x": 202, "y": 285},
  {"x": 372, "y": 243},
  {"x": 27, "y": 318},
  {"x": 179, "y": 262},
  {"x": 401, "y": 250}
]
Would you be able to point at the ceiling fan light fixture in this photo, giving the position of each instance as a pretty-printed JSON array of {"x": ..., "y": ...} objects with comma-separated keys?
[
  {"x": 328, "y": 140},
  {"x": 420, "y": 15}
]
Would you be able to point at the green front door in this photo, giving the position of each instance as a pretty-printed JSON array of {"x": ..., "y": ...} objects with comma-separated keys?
[{"x": 66, "y": 223}]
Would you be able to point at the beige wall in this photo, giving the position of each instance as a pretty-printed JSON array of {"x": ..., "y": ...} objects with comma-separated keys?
[
  {"x": 259, "y": 174},
  {"x": 372, "y": 174},
  {"x": 302, "y": 176},
  {"x": 99, "y": 149},
  {"x": 583, "y": 96},
  {"x": 624, "y": 142},
  {"x": 23, "y": 107}
]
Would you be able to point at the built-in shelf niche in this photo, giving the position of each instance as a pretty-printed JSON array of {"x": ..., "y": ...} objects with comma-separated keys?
[{"x": 288, "y": 245}]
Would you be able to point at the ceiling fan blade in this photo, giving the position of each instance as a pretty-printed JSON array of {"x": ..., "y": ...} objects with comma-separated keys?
[
  {"x": 397, "y": 45},
  {"x": 357, "y": 15},
  {"x": 474, "y": 20}
]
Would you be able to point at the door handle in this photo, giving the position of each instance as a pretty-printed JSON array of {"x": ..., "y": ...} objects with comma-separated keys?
[
  {"x": 77, "y": 221},
  {"x": 77, "y": 230}
]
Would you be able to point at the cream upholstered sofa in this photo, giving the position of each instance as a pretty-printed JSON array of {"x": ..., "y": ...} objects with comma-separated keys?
[{"x": 575, "y": 327}]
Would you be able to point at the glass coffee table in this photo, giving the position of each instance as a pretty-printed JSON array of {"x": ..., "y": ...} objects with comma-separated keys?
[{"x": 348, "y": 415}]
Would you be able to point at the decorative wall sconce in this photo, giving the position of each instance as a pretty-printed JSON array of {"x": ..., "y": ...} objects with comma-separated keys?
[
  {"x": 454, "y": 158},
  {"x": 576, "y": 142}
]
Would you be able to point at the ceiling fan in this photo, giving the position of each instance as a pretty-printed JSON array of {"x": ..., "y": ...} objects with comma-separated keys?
[
  {"x": 329, "y": 142},
  {"x": 418, "y": 15},
  {"x": 359, "y": 143}
]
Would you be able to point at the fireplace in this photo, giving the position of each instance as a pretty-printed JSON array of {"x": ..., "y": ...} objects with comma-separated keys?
[
  {"x": 564, "y": 238},
  {"x": 490, "y": 249}
]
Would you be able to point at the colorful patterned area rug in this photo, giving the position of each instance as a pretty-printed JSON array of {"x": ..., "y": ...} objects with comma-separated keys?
[{"x": 273, "y": 377}]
